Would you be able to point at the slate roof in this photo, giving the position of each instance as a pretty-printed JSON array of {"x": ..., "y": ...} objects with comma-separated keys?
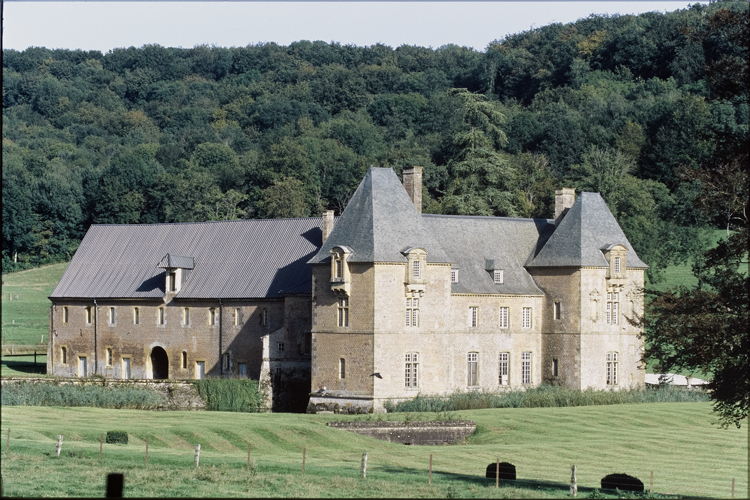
[
  {"x": 380, "y": 222},
  {"x": 232, "y": 259},
  {"x": 471, "y": 241},
  {"x": 586, "y": 230}
]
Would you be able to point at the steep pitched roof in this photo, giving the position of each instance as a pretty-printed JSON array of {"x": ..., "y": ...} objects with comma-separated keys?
[
  {"x": 379, "y": 222},
  {"x": 470, "y": 241},
  {"x": 232, "y": 259},
  {"x": 586, "y": 230},
  {"x": 172, "y": 261}
]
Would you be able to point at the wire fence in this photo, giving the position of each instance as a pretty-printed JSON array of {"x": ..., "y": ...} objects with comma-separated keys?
[{"x": 435, "y": 468}]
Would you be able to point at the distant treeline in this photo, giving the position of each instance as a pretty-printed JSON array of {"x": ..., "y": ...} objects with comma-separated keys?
[{"x": 627, "y": 106}]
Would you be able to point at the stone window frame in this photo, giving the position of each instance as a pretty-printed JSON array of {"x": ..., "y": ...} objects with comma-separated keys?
[
  {"x": 78, "y": 365},
  {"x": 280, "y": 347},
  {"x": 612, "y": 368},
  {"x": 196, "y": 362},
  {"x": 343, "y": 312},
  {"x": 171, "y": 284},
  {"x": 503, "y": 360},
  {"x": 109, "y": 356},
  {"x": 526, "y": 374},
  {"x": 556, "y": 310},
  {"x": 211, "y": 316},
  {"x": 342, "y": 368},
  {"x": 161, "y": 316},
  {"x": 411, "y": 370},
  {"x": 341, "y": 277},
  {"x": 64, "y": 355},
  {"x": 412, "y": 312},
  {"x": 416, "y": 266},
  {"x": 226, "y": 362},
  {"x": 65, "y": 315},
  {"x": 184, "y": 360},
  {"x": 123, "y": 372},
  {"x": 498, "y": 276},
  {"x": 612, "y": 306},
  {"x": 136, "y": 315},
  {"x": 527, "y": 315},
  {"x": 472, "y": 369},
  {"x": 237, "y": 316},
  {"x": 186, "y": 317},
  {"x": 504, "y": 317},
  {"x": 616, "y": 255},
  {"x": 112, "y": 316},
  {"x": 239, "y": 369},
  {"x": 88, "y": 314},
  {"x": 473, "y": 316},
  {"x": 454, "y": 275},
  {"x": 555, "y": 367},
  {"x": 264, "y": 317}
]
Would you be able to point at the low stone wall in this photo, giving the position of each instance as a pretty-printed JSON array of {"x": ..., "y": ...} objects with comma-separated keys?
[
  {"x": 178, "y": 395},
  {"x": 417, "y": 433}
]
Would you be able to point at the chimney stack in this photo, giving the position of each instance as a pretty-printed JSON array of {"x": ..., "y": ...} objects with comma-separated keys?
[
  {"x": 413, "y": 184},
  {"x": 327, "y": 225},
  {"x": 564, "y": 199}
]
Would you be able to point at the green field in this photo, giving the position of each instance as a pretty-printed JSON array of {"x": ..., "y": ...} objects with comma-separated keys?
[{"x": 677, "y": 441}]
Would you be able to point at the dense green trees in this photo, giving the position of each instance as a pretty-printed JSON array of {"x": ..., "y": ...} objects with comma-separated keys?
[{"x": 625, "y": 105}]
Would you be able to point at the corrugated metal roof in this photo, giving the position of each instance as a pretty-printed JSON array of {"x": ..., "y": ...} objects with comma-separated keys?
[
  {"x": 232, "y": 259},
  {"x": 587, "y": 229},
  {"x": 171, "y": 261},
  {"x": 478, "y": 245}
]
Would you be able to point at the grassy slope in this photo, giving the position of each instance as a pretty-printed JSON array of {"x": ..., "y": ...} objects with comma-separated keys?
[{"x": 688, "y": 455}]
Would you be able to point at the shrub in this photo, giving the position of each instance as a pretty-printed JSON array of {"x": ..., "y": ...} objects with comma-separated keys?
[
  {"x": 47, "y": 394},
  {"x": 117, "y": 437},
  {"x": 230, "y": 394}
]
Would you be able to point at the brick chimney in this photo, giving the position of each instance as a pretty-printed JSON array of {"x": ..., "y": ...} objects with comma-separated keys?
[
  {"x": 413, "y": 184},
  {"x": 564, "y": 199},
  {"x": 327, "y": 225}
]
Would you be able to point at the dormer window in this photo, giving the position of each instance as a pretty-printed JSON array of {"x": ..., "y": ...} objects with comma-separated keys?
[
  {"x": 492, "y": 267},
  {"x": 497, "y": 276},
  {"x": 454, "y": 275},
  {"x": 172, "y": 281},
  {"x": 416, "y": 261},
  {"x": 340, "y": 277},
  {"x": 416, "y": 269},
  {"x": 177, "y": 268},
  {"x": 617, "y": 265},
  {"x": 616, "y": 255}
]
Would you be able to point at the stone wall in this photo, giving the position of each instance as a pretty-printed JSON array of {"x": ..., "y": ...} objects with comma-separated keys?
[{"x": 417, "y": 433}]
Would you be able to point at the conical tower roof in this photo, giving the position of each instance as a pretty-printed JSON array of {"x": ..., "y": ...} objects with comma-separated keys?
[
  {"x": 379, "y": 223},
  {"x": 584, "y": 233}
]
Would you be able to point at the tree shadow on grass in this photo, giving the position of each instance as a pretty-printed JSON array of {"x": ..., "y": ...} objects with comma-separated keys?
[{"x": 25, "y": 367}]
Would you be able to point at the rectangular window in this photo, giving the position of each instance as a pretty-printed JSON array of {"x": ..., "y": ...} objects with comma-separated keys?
[
  {"x": 109, "y": 356},
  {"x": 339, "y": 269},
  {"x": 503, "y": 372},
  {"x": 454, "y": 275},
  {"x": 65, "y": 314},
  {"x": 171, "y": 282},
  {"x": 126, "y": 368},
  {"x": 64, "y": 355},
  {"x": 556, "y": 311},
  {"x": 185, "y": 316},
  {"x": 554, "y": 367},
  {"x": 136, "y": 316},
  {"x": 161, "y": 316},
  {"x": 227, "y": 364},
  {"x": 503, "y": 317},
  {"x": 111, "y": 315},
  {"x": 473, "y": 316},
  {"x": 525, "y": 367},
  {"x": 88, "y": 315},
  {"x": 613, "y": 302},
  {"x": 200, "y": 370},
  {"x": 184, "y": 360},
  {"x": 212, "y": 316},
  {"x": 497, "y": 276},
  {"x": 242, "y": 370},
  {"x": 344, "y": 311},
  {"x": 526, "y": 317},
  {"x": 617, "y": 264},
  {"x": 264, "y": 317},
  {"x": 411, "y": 370},
  {"x": 611, "y": 368},
  {"x": 82, "y": 367},
  {"x": 281, "y": 347},
  {"x": 236, "y": 316},
  {"x": 472, "y": 369},
  {"x": 342, "y": 368},
  {"x": 412, "y": 312},
  {"x": 417, "y": 269}
]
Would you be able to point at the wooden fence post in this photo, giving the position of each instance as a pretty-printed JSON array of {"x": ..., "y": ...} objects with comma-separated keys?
[
  {"x": 732, "y": 487},
  {"x": 101, "y": 440},
  {"x": 651, "y": 485},
  {"x": 497, "y": 473},
  {"x": 573, "y": 481},
  {"x": 146, "y": 451},
  {"x": 58, "y": 448},
  {"x": 363, "y": 469},
  {"x": 7, "y": 441},
  {"x": 197, "y": 454},
  {"x": 304, "y": 452},
  {"x": 248, "y": 457},
  {"x": 430, "y": 482}
]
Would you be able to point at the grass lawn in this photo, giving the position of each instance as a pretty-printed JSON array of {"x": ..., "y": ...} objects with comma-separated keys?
[{"x": 677, "y": 441}]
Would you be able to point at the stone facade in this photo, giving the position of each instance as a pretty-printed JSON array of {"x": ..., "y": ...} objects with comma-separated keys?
[{"x": 391, "y": 304}]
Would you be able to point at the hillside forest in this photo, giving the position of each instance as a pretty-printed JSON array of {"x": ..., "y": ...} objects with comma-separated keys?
[{"x": 638, "y": 108}]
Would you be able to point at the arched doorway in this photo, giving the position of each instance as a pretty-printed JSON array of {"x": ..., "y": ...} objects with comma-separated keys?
[{"x": 159, "y": 363}]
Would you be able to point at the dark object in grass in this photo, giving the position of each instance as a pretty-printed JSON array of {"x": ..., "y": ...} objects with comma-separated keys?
[
  {"x": 507, "y": 471},
  {"x": 623, "y": 482},
  {"x": 115, "y": 483},
  {"x": 117, "y": 437}
]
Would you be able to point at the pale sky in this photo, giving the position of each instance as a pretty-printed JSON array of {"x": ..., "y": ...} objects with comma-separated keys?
[{"x": 107, "y": 25}]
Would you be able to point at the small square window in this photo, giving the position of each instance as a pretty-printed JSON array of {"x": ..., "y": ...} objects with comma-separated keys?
[{"x": 281, "y": 347}]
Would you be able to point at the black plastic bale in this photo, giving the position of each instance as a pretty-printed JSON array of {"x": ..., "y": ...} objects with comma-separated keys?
[
  {"x": 623, "y": 482},
  {"x": 507, "y": 471}
]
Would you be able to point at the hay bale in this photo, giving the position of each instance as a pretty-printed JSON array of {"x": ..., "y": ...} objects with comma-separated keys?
[
  {"x": 621, "y": 481},
  {"x": 507, "y": 471}
]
